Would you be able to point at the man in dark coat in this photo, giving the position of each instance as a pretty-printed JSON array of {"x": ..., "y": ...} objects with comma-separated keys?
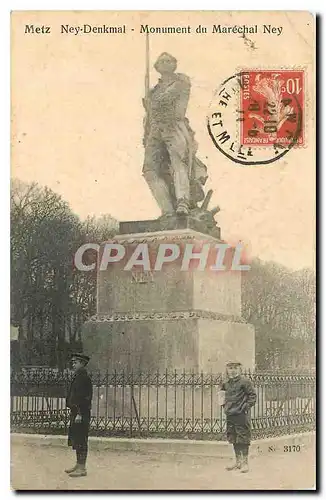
[
  {"x": 240, "y": 396},
  {"x": 79, "y": 401}
]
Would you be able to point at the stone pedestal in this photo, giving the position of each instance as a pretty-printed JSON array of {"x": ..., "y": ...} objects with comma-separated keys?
[{"x": 169, "y": 319}]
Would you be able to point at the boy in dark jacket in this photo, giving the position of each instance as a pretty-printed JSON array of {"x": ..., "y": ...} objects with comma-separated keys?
[
  {"x": 79, "y": 401},
  {"x": 240, "y": 396}
]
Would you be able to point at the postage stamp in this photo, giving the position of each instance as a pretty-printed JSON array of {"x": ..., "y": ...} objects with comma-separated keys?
[
  {"x": 270, "y": 102},
  {"x": 256, "y": 116}
]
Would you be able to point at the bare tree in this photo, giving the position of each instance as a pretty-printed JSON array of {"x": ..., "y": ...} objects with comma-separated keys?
[
  {"x": 50, "y": 299},
  {"x": 281, "y": 305}
]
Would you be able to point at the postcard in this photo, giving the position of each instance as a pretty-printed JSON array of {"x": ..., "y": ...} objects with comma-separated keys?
[{"x": 163, "y": 284}]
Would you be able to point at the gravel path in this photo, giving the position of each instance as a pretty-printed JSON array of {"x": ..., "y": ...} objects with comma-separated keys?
[{"x": 41, "y": 468}]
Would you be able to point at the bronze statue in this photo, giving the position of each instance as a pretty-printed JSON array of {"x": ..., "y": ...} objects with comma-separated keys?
[{"x": 173, "y": 172}]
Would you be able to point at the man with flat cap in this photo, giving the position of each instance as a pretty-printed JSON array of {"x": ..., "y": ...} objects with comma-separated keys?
[
  {"x": 240, "y": 396},
  {"x": 79, "y": 401}
]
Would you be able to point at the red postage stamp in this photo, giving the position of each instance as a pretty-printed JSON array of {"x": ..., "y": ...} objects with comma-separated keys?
[{"x": 272, "y": 108}]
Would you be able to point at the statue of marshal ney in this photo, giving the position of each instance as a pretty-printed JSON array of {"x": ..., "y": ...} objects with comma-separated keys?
[{"x": 174, "y": 174}]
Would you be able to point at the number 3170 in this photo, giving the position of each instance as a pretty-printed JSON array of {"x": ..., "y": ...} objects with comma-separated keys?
[{"x": 293, "y": 447}]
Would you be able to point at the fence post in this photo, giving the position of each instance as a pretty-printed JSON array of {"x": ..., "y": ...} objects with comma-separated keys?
[
  {"x": 288, "y": 393},
  {"x": 131, "y": 400}
]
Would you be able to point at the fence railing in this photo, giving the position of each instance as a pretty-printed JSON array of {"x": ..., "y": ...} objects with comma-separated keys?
[{"x": 177, "y": 404}]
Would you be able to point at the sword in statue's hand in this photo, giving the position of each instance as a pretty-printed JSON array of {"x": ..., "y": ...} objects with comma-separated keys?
[
  {"x": 147, "y": 72},
  {"x": 146, "y": 98}
]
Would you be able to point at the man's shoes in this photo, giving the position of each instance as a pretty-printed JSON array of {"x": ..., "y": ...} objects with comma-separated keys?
[
  {"x": 79, "y": 472},
  {"x": 72, "y": 469},
  {"x": 235, "y": 466},
  {"x": 245, "y": 467}
]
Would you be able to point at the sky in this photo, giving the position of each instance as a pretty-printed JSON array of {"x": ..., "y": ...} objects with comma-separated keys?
[{"x": 77, "y": 120}]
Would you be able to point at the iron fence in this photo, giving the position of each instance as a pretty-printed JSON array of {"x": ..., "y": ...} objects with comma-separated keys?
[{"x": 178, "y": 404}]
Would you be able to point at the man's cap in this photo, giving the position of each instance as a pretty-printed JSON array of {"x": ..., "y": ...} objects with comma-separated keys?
[
  {"x": 80, "y": 357},
  {"x": 233, "y": 363}
]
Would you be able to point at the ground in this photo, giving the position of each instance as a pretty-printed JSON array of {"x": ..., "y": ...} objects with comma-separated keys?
[{"x": 41, "y": 468}]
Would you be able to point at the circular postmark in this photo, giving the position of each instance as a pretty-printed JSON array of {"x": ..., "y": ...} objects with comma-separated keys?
[{"x": 255, "y": 117}]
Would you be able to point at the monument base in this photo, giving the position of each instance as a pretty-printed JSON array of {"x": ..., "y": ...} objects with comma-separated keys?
[
  {"x": 188, "y": 341},
  {"x": 203, "y": 223},
  {"x": 169, "y": 319}
]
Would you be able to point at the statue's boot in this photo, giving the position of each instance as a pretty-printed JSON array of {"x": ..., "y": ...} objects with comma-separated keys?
[
  {"x": 161, "y": 192},
  {"x": 182, "y": 188},
  {"x": 165, "y": 216},
  {"x": 182, "y": 207}
]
